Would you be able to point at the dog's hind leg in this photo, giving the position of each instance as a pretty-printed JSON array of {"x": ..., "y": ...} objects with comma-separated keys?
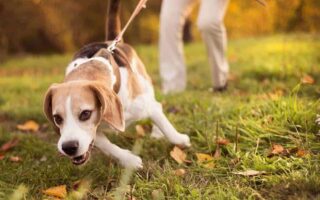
[
  {"x": 126, "y": 157},
  {"x": 161, "y": 121}
]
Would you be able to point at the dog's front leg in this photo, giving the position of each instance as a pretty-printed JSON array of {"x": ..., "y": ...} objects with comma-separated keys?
[
  {"x": 161, "y": 121},
  {"x": 126, "y": 157}
]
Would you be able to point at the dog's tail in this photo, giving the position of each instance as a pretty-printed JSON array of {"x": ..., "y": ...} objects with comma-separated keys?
[{"x": 113, "y": 23}]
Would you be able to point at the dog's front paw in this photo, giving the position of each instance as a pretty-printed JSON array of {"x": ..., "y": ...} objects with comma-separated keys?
[
  {"x": 182, "y": 140},
  {"x": 129, "y": 160}
]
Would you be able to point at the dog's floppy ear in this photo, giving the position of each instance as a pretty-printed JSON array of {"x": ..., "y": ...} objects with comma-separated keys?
[
  {"x": 47, "y": 107},
  {"x": 111, "y": 107}
]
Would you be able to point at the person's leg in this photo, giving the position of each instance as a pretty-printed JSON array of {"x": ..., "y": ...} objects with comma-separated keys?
[
  {"x": 210, "y": 23},
  {"x": 172, "y": 66}
]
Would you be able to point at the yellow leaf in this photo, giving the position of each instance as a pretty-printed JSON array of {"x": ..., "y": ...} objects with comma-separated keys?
[
  {"x": 276, "y": 150},
  {"x": 307, "y": 79},
  {"x": 29, "y": 126},
  {"x": 140, "y": 131},
  {"x": 58, "y": 191},
  {"x": 178, "y": 155},
  {"x": 10, "y": 144},
  {"x": 205, "y": 160},
  {"x": 180, "y": 172}
]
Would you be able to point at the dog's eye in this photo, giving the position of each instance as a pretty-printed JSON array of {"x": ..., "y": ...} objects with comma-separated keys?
[
  {"x": 85, "y": 115},
  {"x": 57, "y": 119}
]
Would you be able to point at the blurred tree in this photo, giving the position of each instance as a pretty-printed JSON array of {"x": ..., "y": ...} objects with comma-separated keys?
[{"x": 60, "y": 26}]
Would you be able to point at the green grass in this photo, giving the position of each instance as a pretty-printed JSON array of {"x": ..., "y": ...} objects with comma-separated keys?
[{"x": 260, "y": 67}]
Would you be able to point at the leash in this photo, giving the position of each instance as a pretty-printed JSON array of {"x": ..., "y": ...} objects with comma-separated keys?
[{"x": 141, "y": 4}]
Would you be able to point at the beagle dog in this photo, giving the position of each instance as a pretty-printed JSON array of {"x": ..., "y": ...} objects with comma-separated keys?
[{"x": 100, "y": 86}]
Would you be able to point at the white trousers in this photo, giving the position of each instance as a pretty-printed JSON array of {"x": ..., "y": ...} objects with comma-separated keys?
[{"x": 210, "y": 23}]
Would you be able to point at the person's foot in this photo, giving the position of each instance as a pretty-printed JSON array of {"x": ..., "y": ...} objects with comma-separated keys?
[{"x": 220, "y": 88}]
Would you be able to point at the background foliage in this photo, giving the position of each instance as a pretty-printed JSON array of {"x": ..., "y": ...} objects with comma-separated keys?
[{"x": 42, "y": 26}]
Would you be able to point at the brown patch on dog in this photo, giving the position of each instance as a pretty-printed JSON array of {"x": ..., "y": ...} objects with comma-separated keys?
[
  {"x": 90, "y": 71},
  {"x": 126, "y": 56},
  {"x": 133, "y": 85}
]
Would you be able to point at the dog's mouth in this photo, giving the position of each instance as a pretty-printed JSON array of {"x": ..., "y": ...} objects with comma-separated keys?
[{"x": 79, "y": 160}]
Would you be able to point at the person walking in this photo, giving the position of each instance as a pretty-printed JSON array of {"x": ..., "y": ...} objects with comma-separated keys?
[{"x": 210, "y": 23}]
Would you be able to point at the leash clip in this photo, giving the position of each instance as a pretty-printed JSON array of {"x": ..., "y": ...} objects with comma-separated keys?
[{"x": 113, "y": 45}]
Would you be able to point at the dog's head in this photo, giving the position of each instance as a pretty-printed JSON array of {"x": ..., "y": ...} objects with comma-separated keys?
[{"x": 76, "y": 109}]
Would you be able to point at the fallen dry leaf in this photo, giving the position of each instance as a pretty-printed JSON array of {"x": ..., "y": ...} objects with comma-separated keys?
[
  {"x": 178, "y": 155},
  {"x": 58, "y": 191},
  {"x": 15, "y": 159},
  {"x": 10, "y": 144},
  {"x": 250, "y": 172},
  {"x": 29, "y": 126},
  {"x": 301, "y": 153},
  {"x": 275, "y": 95},
  {"x": 307, "y": 79},
  {"x": 180, "y": 172},
  {"x": 298, "y": 152},
  {"x": 223, "y": 141},
  {"x": 276, "y": 150},
  {"x": 140, "y": 131},
  {"x": 205, "y": 160}
]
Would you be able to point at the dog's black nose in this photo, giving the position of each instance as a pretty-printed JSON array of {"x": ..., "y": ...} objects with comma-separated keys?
[{"x": 70, "y": 147}]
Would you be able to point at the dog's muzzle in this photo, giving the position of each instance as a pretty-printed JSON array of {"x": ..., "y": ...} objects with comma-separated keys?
[{"x": 79, "y": 160}]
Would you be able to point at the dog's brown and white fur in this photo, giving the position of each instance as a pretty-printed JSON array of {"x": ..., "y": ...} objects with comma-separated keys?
[{"x": 97, "y": 89}]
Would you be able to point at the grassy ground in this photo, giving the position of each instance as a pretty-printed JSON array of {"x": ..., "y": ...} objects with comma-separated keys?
[{"x": 266, "y": 102}]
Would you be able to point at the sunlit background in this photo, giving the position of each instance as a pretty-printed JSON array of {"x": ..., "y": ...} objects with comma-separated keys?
[
  {"x": 42, "y": 26},
  {"x": 272, "y": 101}
]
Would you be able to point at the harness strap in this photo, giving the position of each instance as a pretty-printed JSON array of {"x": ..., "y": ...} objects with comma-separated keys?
[{"x": 116, "y": 71}]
